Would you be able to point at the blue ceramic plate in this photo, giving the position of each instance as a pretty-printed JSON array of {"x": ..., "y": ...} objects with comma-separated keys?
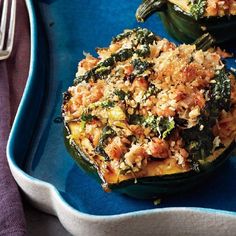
[{"x": 60, "y": 32}]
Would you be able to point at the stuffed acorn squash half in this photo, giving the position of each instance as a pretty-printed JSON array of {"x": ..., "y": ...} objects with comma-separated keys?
[
  {"x": 187, "y": 20},
  {"x": 147, "y": 117}
]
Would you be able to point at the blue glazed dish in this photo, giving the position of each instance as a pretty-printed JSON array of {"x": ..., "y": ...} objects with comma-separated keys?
[{"x": 60, "y": 32}]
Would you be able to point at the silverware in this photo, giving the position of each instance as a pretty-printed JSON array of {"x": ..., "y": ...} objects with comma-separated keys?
[{"x": 7, "y": 38}]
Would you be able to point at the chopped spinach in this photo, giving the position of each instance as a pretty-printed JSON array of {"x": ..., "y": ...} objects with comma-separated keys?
[
  {"x": 104, "y": 68},
  {"x": 135, "y": 119},
  {"x": 220, "y": 90},
  {"x": 85, "y": 77},
  {"x": 102, "y": 71},
  {"x": 199, "y": 144},
  {"x": 144, "y": 36},
  {"x": 219, "y": 95},
  {"x": 160, "y": 125},
  {"x": 123, "y": 54},
  {"x": 150, "y": 121},
  {"x": 87, "y": 117},
  {"x": 152, "y": 90},
  {"x": 198, "y": 8},
  {"x": 181, "y": 122},
  {"x": 123, "y": 35},
  {"x": 166, "y": 125},
  {"x": 122, "y": 94},
  {"x": 199, "y": 139},
  {"x": 107, "y": 132},
  {"x": 144, "y": 51},
  {"x": 140, "y": 66},
  {"x": 108, "y": 103},
  {"x": 110, "y": 61}
]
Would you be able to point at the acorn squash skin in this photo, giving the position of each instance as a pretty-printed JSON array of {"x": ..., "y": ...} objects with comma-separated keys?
[
  {"x": 147, "y": 187},
  {"x": 184, "y": 28}
]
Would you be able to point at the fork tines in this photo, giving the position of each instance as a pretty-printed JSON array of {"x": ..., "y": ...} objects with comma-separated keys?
[{"x": 7, "y": 19}]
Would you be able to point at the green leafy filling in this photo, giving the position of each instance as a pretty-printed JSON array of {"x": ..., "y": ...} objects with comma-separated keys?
[
  {"x": 143, "y": 37},
  {"x": 199, "y": 144},
  {"x": 102, "y": 71},
  {"x": 199, "y": 139},
  {"x": 107, "y": 132},
  {"x": 144, "y": 51},
  {"x": 87, "y": 117},
  {"x": 122, "y": 94},
  {"x": 123, "y": 54},
  {"x": 123, "y": 35},
  {"x": 198, "y": 8},
  {"x": 104, "y": 68},
  {"x": 162, "y": 126},
  {"x": 152, "y": 90},
  {"x": 107, "y": 104},
  {"x": 136, "y": 119},
  {"x": 140, "y": 66}
]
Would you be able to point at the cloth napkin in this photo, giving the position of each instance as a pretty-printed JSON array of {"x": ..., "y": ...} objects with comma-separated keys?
[{"x": 13, "y": 75}]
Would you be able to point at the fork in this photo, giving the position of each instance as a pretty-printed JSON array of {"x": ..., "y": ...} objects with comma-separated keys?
[{"x": 6, "y": 40}]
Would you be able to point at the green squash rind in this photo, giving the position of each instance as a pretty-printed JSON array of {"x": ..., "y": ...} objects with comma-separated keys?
[
  {"x": 190, "y": 29},
  {"x": 183, "y": 27},
  {"x": 148, "y": 187},
  {"x": 80, "y": 158}
]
